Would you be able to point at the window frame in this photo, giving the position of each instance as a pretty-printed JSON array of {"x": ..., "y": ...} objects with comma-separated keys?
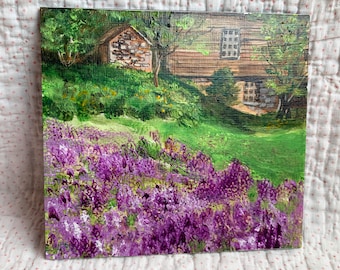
[{"x": 230, "y": 37}]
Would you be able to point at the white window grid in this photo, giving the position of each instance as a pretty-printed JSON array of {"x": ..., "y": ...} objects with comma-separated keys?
[{"x": 230, "y": 44}]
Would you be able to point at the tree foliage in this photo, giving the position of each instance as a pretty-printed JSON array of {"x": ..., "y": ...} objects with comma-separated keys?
[
  {"x": 167, "y": 31},
  {"x": 286, "y": 39},
  {"x": 223, "y": 87},
  {"x": 73, "y": 33}
]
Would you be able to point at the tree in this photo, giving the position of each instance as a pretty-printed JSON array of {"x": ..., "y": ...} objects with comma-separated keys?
[
  {"x": 71, "y": 33},
  {"x": 223, "y": 87},
  {"x": 286, "y": 45},
  {"x": 167, "y": 31}
]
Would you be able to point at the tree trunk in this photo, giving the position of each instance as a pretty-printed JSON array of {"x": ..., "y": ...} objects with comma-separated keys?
[
  {"x": 284, "y": 110},
  {"x": 66, "y": 57},
  {"x": 156, "y": 68}
]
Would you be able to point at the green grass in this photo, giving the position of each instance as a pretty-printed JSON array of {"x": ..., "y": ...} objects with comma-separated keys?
[
  {"x": 271, "y": 149},
  {"x": 275, "y": 154},
  {"x": 85, "y": 90}
]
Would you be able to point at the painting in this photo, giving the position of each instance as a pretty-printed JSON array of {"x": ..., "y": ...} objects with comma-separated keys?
[{"x": 172, "y": 132}]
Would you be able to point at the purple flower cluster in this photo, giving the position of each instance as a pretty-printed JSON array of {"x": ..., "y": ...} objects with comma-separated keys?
[{"x": 108, "y": 195}]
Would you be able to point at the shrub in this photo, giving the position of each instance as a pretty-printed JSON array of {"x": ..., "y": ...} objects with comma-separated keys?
[
  {"x": 62, "y": 110},
  {"x": 87, "y": 100},
  {"x": 141, "y": 108},
  {"x": 114, "y": 107},
  {"x": 147, "y": 112},
  {"x": 55, "y": 98},
  {"x": 223, "y": 86},
  {"x": 186, "y": 114},
  {"x": 86, "y": 90}
]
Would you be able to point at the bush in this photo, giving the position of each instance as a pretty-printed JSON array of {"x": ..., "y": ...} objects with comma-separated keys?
[
  {"x": 55, "y": 98},
  {"x": 223, "y": 87},
  {"x": 87, "y": 99},
  {"x": 186, "y": 114},
  {"x": 58, "y": 109},
  {"x": 86, "y": 90},
  {"x": 147, "y": 112},
  {"x": 114, "y": 107},
  {"x": 140, "y": 107}
]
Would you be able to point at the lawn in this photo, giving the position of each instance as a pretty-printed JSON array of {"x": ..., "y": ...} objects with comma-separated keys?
[{"x": 270, "y": 153}]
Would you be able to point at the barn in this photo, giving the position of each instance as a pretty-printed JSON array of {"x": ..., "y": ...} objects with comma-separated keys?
[
  {"x": 230, "y": 39},
  {"x": 128, "y": 47}
]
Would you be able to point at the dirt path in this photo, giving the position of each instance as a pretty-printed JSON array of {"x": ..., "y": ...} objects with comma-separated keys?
[{"x": 245, "y": 109}]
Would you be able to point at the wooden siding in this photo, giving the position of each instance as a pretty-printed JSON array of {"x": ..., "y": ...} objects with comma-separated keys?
[{"x": 190, "y": 63}]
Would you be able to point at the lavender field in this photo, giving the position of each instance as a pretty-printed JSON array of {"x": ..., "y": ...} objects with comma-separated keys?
[{"x": 110, "y": 194}]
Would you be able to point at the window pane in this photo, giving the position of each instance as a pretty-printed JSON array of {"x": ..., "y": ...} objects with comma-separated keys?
[{"x": 230, "y": 44}]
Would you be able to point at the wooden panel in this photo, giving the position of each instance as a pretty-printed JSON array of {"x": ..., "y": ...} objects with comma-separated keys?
[
  {"x": 194, "y": 64},
  {"x": 188, "y": 62}
]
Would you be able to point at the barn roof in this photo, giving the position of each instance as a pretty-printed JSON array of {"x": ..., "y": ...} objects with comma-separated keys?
[{"x": 115, "y": 31}]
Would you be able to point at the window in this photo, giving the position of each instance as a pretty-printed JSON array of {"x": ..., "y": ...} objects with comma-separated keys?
[
  {"x": 230, "y": 44},
  {"x": 250, "y": 92}
]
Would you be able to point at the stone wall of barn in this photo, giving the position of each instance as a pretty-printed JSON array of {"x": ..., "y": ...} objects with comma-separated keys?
[
  {"x": 267, "y": 98},
  {"x": 130, "y": 50},
  {"x": 257, "y": 97}
]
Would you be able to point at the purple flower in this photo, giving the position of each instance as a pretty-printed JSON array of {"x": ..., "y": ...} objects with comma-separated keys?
[
  {"x": 70, "y": 172},
  {"x": 266, "y": 191},
  {"x": 52, "y": 213},
  {"x": 65, "y": 197},
  {"x": 241, "y": 217},
  {"x": 52, "y": 240},
  {"x": 235, "y": 180},
  {"x": 105, "y": 197},
  {"x": 246, "y": 242}
]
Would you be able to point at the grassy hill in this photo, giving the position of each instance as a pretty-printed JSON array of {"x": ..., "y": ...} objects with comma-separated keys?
[
  {"x": 126, "y": 100},
  {"x": 274, "y": 154}
]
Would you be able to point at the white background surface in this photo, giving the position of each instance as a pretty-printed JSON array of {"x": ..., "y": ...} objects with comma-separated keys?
[{"x": 21, "y": 164}]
